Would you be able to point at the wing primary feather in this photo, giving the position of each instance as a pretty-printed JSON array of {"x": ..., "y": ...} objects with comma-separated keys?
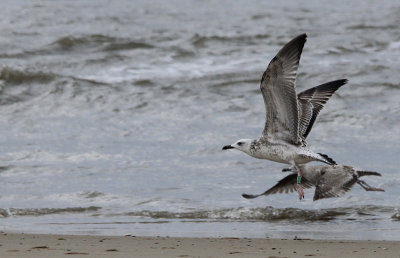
[
  {"x": 328, "y": 159},
  {"x": 285, "y": 185},
  {"x": 278, "y": 87},
  {"x": 312, "y": 101}
]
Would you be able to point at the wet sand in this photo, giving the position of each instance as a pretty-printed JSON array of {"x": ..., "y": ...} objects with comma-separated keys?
[{"x": 33, "y": 245}]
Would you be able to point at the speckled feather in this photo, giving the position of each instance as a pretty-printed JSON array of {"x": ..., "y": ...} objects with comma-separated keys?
[{"x": 330, "y": 181}]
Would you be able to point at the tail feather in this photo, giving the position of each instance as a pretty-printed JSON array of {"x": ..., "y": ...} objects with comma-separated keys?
[
  {"x": 328, "y": 159},
  {"x": 368, "y": 173}
]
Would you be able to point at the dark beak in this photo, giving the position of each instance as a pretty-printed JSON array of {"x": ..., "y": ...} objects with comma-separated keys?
[{"x": 227, "y": 147}]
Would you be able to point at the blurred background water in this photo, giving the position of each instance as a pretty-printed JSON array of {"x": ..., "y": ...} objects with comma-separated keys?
[{"x": 113, "y": 115}]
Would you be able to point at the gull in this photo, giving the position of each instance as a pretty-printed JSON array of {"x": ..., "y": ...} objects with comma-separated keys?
[
  {"x": 329, "y": 181},
  {"x": 289, "y": 119}
]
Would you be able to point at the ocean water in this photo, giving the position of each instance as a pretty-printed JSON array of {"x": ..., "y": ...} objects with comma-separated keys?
[{"x": 113, "y": 115}]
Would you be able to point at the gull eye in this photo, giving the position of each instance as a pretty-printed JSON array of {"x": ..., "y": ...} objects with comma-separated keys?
[{"x": 240, "y": 143}]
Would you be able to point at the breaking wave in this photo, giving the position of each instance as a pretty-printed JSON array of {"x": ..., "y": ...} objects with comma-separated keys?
[
  {"x": 13, "y": 76},
  {"x": 268, "y": 213},
  {"x": 232, "y": 214},
  {"x": 200, "y": 41},
  {"x": 396, "y": 216},
  {"x": 44, "y": 211},
  {"x": 104, "y": 42}
]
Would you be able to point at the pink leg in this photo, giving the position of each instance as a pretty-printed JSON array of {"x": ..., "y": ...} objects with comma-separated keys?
[
  {"x": 375, "y": 189},
  {"x": 300, "y": 191},
  {"x": 367, "y": 187},
  {"x": 299, "y": 187}
]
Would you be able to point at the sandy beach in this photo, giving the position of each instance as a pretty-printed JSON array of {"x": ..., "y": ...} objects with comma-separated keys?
[
  {"x": 114, "y": 114},
  {"x": 34, "y": 245}
]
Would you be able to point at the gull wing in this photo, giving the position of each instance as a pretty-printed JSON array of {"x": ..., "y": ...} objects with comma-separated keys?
[
  {"x": 323, "y": 191},
  {"x": 279, "y": 92},
  {"x": 312, "y": 101},
  {"x": 285, "y": 185},
  {"x": 335, "y": 182}
]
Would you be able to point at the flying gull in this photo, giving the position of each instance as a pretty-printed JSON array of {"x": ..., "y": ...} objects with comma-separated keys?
[
  {"x": 288, "y": 119},
  {"x": 329, "y": 181}
]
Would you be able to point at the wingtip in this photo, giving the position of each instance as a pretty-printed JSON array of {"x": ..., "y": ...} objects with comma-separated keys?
[
  {"x": 343, "y": 81},
  {"x": 248, "y": 196},
  {"x": 294, "y": 47},
  {"x": 336, "y": 84},
  {"x": 329, "y": 160},
  {"x": 339, "y": 83},
  {"x": 302, "y": 37}
]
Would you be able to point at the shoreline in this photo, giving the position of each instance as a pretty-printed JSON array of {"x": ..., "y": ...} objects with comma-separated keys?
[{"x": 54, "y": 245}]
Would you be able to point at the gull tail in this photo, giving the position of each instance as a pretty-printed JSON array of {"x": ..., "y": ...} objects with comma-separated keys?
[
  {"x": 327, "y": 159},
  {"x": 368, "y": 173}
]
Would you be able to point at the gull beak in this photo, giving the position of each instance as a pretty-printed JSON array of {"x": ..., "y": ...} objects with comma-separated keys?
[{"x": 227, "y": 147}]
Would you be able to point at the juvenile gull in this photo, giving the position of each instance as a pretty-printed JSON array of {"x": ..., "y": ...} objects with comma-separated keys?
[
  {"x": 288, "y": 119},
  {"x": 329, "y": 181}
]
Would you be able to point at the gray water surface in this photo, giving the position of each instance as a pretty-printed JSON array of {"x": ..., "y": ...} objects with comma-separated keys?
[{"x": 113, "y": 115}]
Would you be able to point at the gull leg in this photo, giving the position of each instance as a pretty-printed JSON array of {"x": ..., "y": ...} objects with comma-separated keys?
[
  {"x": 299, "y": 187},
  {"x": 367, "y": 187}
]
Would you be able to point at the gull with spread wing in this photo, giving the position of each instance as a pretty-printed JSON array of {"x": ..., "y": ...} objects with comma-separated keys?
[
  {"x": 289, "y": 118},
  {"x": 329, "y": 181}
]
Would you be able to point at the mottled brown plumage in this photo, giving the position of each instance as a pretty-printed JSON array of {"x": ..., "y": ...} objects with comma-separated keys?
[{"x": 329, "y": 181}]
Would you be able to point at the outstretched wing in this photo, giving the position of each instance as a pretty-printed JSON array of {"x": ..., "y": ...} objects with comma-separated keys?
[
  {"x": 278, "y": 87},
  {"x": 285, "y": 185},
  {"x": 312, "y": 101}
]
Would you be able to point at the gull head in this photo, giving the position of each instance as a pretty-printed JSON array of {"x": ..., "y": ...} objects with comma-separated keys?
[{"x": 242, "y": 145}]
